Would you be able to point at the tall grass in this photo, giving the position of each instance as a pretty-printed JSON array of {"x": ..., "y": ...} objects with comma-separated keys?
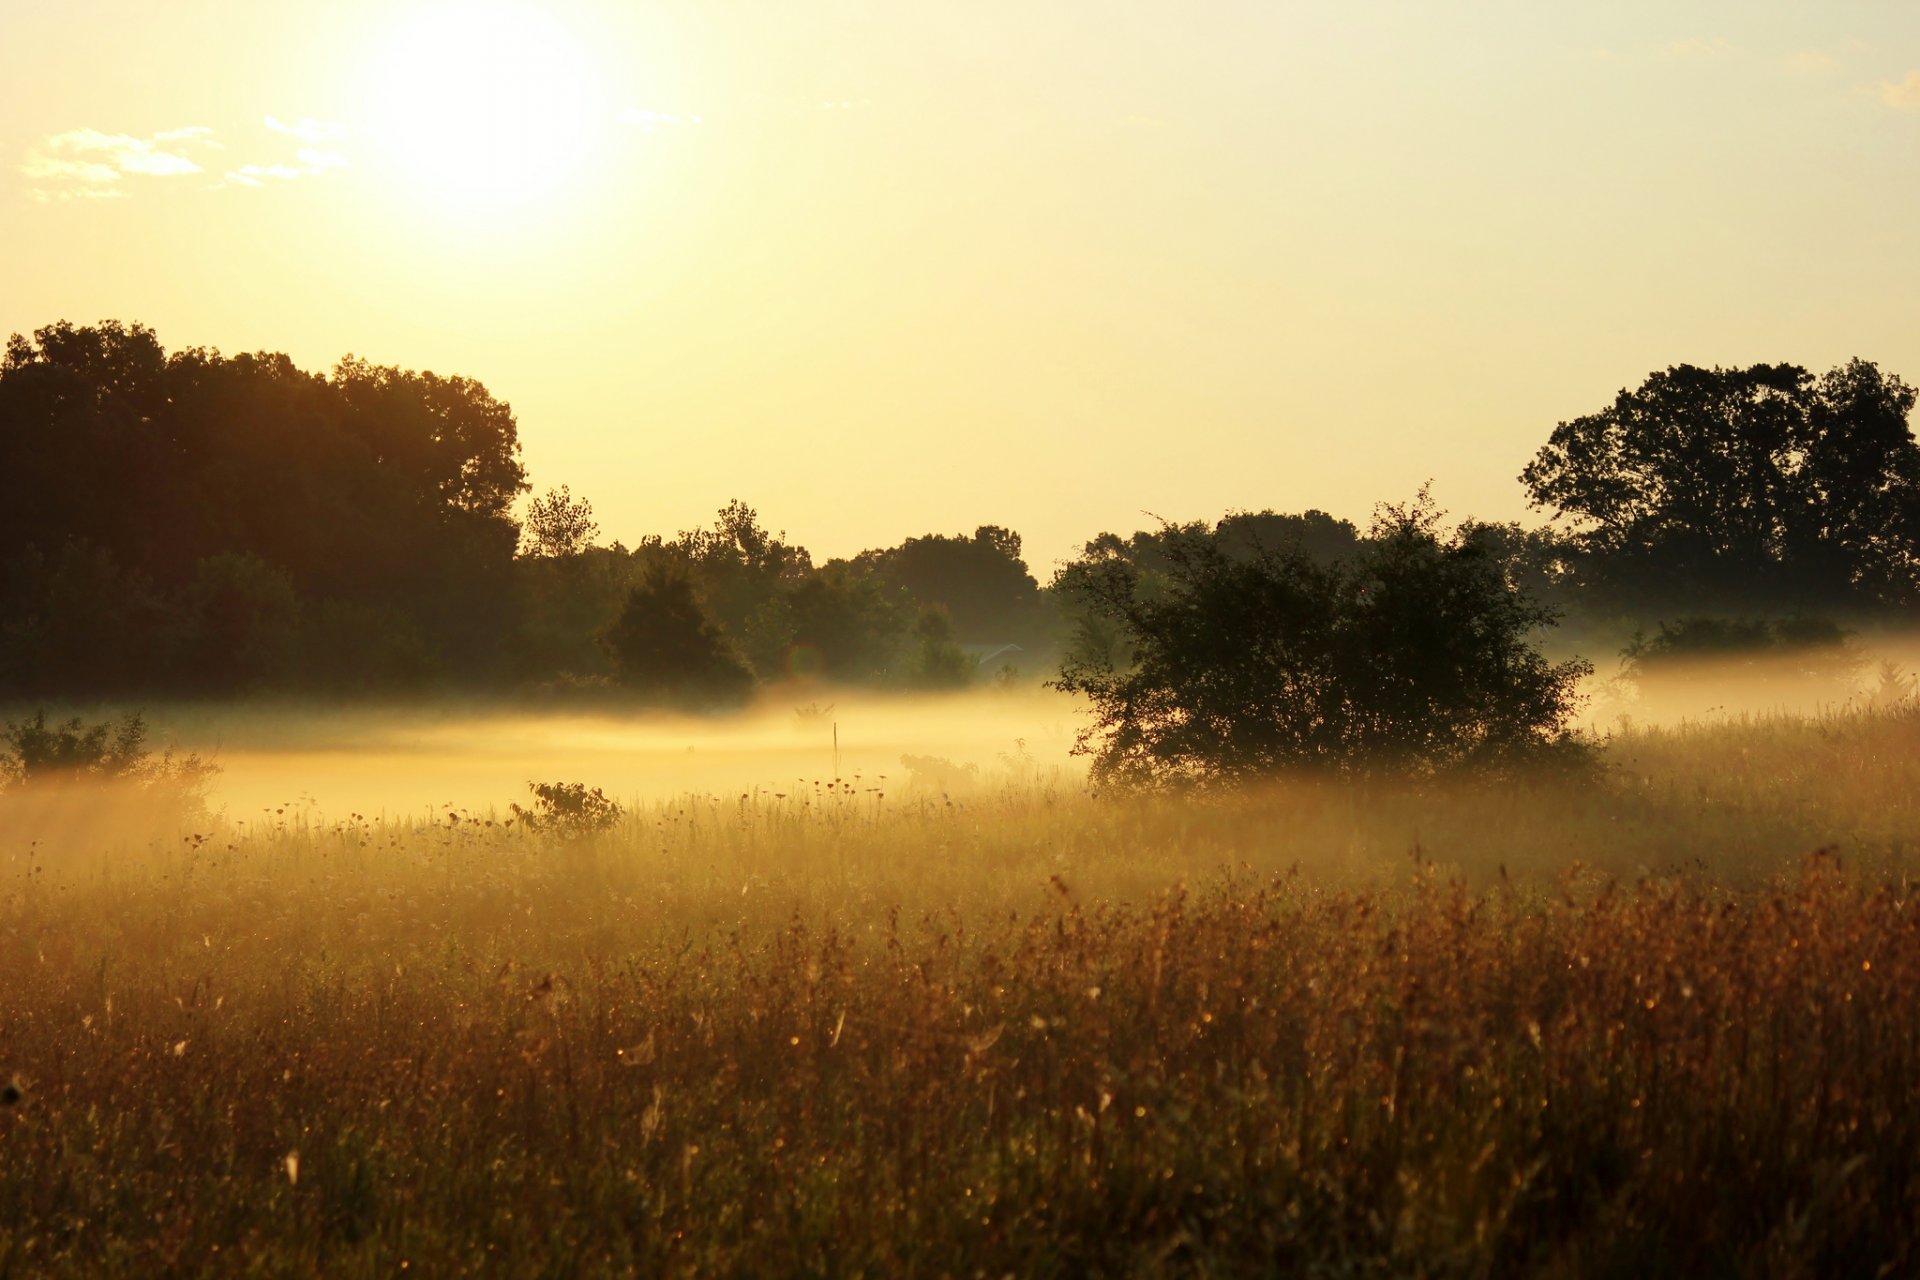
[{"x": 1620, "y": 1026}]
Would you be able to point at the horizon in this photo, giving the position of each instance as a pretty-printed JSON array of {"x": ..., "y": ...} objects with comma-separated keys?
[{"x": 881, "y": 272}]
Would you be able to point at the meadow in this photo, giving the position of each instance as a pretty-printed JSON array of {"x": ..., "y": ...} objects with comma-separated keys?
[{"x": 1654, "y": 1021}]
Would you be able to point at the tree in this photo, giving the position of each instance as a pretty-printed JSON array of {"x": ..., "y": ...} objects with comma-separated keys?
[
  {"x": 235, "y": 627},
  {"x": 739, "y": 566},
  {"x": 981, "y": 581},
  {"x": 559, "y": 525},
  {"x": 845, "y": 620},
  {"x": 1412, "y": 655},
  {"x": 1733, "y": 488},
  {"x": 377, "y": 491},
  {"x": 666, "y": 648}
]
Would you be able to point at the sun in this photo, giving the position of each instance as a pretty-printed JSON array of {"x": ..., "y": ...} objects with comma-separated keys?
[{"x": 486, "y": 108}]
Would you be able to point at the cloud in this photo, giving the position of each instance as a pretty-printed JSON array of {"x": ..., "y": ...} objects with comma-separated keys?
[
  {"x": 316, "y": 157},
  {"x": 310, "y": 162},
  {"x": 307, "y": 130},
  {"x": 88, "y": 164},
  {"x": 1903, "y": 95}
]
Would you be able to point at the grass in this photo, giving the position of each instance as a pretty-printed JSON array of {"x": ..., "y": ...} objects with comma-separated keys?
[{"x": 1616, "y": 1028}]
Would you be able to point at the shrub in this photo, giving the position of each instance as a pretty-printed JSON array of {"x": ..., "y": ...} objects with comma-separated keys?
[
  {"x": 569, "y": 810},
  {"x": 111, "y": 751},
  {"x": 1413, "y": 655}
]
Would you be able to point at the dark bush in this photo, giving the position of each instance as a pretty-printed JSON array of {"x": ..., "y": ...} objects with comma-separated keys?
[{"x": 1412, "y": 655}]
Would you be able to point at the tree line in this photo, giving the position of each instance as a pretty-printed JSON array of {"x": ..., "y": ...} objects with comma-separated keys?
[{"x": 195, "y": 524}]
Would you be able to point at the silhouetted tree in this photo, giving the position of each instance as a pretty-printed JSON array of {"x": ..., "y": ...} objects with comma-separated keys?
[
  {"x": 235, "y": 627},
  {"x": 1733, "y": 487},
  {"x": 666, "y": 648},
  {"x": 558, "y": 525},
  {"x": 739, "y": 565},
  {"x": 77, "y": 623},
  {"x": 847, "y": 622},
  {"x": 981, "y": 581},
  {"x": 377, "y": 490},
  {"x": 1414, "y": 654}
]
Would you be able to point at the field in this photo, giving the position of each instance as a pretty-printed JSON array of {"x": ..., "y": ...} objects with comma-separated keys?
[{"x": 1660, "y": 1022}]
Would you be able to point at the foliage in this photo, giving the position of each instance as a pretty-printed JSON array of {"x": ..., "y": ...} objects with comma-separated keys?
[
  {"x": 980, "y": 581},
  {"x": 78, "y": 622},
  {"x": 234, "y": 627},
  {"x": 38, "y": 751},
  {"x": 847, "y": 621},
  {"x": 1735, "y": 488},
  {"x": 112, "y": 751},
  {"x": 1414, "y": 654},
  {"x": 666, "y": 648},
  {"x": 568, "y": 810},
  {"x": 125, "y": 472},
  {"x": 558, "y": 525},
  {"x": 739, "y": 565}
]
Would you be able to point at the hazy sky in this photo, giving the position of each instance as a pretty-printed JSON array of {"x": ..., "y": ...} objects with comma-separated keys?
[{"x": 898, "y": 267}]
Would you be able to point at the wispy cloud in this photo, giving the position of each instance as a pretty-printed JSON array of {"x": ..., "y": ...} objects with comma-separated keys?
[
  {"x": 315, "y": 157},
  {"x": 1902, "y": 95},
  {"x": 90, "y": 164},
  {"x": 306, "y": 129}
]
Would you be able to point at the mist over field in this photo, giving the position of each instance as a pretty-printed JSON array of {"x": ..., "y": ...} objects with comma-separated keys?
[
  {"x": 405, "y": 761},
  {"x": 409, "y": 760},
  {"x": 931, "y": 641}
]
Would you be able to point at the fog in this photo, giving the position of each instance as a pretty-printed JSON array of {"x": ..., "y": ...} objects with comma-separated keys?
[
  {"x": 324, "y": 762},
  {"x": 419, "y": 761}
]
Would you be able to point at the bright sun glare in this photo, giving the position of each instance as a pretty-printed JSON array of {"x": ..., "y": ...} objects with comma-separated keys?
[{"x": 486, "y": 108}]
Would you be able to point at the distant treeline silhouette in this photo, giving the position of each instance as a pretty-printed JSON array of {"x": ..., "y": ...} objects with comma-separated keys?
[{"x": 193, "y": 524}]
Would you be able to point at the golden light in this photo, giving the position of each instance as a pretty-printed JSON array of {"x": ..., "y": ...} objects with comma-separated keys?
[{"x": 486, "y": 108}]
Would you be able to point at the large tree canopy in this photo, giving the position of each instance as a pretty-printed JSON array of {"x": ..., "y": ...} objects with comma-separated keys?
[
  {"x": 1763, "y": 487},
  {"x": 980, "y": 581},
  {"x": 240, "y": 490}
]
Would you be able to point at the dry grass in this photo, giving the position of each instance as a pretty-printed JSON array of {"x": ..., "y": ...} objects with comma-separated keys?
[{"x": 844, "y": 1033}]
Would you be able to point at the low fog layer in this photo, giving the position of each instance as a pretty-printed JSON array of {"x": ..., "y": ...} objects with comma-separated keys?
[{"x": 419, "y": 761}]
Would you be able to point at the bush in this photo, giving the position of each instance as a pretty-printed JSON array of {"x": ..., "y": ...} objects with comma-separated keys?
[
  {"x": 568, "y": 810},
  {"x": 1413, "y": 655},
  {"x": 37, "y": 751},
  {"x": 112, "y": 751}
]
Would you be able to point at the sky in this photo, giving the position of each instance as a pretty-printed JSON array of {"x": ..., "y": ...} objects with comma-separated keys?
[{"x": 893, "y": 268}]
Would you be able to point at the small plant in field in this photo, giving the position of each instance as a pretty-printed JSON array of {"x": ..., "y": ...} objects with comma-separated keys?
[{"x": 570, "y": 810}]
